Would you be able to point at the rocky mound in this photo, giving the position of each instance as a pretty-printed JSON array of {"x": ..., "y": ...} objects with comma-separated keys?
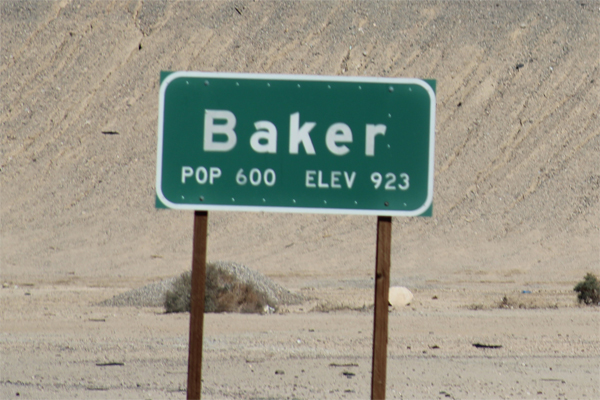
[{"x": 153, "y": 295}]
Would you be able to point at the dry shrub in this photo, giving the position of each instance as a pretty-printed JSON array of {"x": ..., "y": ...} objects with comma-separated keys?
[
  {"x": 240, "y": 297},
  {"x": 178, "y": 298},
  {"x": 588, "y": 290},
  {"x": 223, "y": 293}
]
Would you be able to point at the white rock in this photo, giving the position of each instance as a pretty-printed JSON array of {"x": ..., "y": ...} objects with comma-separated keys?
[
  {"x": 268, "y": 309},
  {"x": 399, "y": 296}
]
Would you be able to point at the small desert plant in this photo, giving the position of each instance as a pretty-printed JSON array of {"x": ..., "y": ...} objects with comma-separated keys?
[
  {"x": 223, "y": 293},
  {"x": 505, "y": 303},
  {"x": 588, "y": 290}
]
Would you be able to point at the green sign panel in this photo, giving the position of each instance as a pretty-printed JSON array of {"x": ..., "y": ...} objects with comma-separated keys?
[{"x": 295, "y": 143}]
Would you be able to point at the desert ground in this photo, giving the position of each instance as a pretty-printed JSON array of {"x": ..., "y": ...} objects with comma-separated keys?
[{"x": 516, "y": 211}]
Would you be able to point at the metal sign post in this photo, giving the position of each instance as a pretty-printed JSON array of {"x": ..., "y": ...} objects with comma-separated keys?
[
  {"x": 194, "y": 387},
  {"x": 380, "y": 319},
  {"x": 299, "y": 144}
]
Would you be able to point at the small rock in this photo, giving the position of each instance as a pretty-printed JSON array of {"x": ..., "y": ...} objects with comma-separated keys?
[
  {"x": 268, "y": 309},
  {"x": 399, "y": 296},
  {"x": 279, "y": 372}
]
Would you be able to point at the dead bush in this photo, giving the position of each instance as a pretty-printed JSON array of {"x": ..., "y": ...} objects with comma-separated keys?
[{"x": 223, "y": 293}]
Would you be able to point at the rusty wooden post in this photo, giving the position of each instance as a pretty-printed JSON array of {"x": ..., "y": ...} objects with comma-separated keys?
[
  {"x": 194, "y": 385},
  {"x": 380, "y": 320}
]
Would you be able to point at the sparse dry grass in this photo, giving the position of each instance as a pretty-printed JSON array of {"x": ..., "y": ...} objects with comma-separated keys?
[
  {"x": 522, "y": 302},
  {"x": 327, "y": 306},
  {"x": 525, "y": 301}
]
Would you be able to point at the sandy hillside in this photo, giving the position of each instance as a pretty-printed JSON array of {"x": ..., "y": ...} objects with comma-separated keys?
[{"x": 517, "y": 173}]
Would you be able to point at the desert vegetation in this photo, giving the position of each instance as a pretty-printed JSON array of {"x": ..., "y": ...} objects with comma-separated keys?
[
  {"x": 588, "y": 290},
  {"x": 223, "y": 293}
]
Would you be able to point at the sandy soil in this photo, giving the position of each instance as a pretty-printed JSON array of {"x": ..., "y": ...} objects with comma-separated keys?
[
  {"x": 516, "y": 204},
  {"x": 58, "y": 343}
]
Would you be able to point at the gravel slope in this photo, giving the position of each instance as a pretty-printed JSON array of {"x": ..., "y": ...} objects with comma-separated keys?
[{"x": 517, "y": 177}]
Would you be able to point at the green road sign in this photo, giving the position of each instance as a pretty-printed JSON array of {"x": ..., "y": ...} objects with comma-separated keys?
[{"x": 295, "y": 143}]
